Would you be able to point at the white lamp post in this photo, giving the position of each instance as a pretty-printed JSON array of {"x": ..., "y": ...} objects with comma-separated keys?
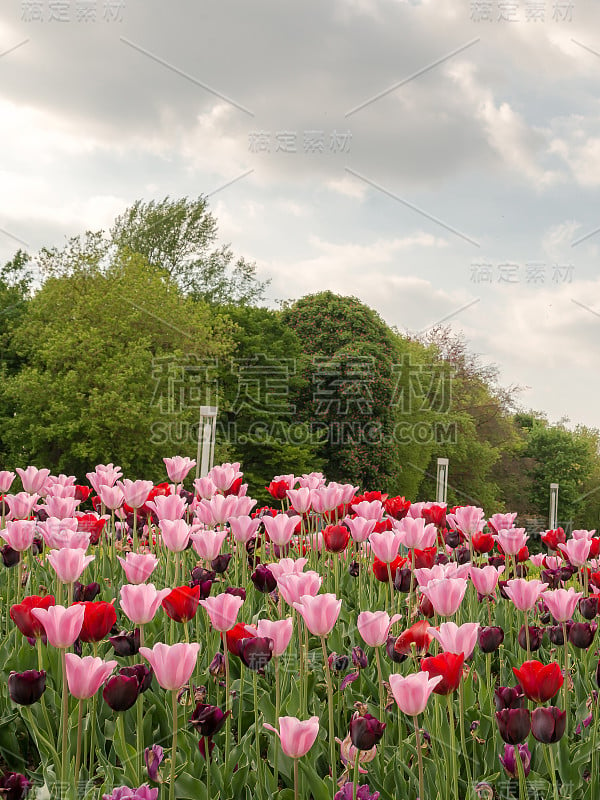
[
  {"x": 553, "y": 522},
  {"x": 442, "y": 480},
  {"x": 206, "y": 440}
]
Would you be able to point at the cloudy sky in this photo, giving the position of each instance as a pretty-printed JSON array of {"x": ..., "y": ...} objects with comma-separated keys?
[{"x": 439, "y": 159}]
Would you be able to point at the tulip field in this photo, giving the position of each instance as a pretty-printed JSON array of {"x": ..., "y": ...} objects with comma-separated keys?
[{"x": 178, "y": 641}]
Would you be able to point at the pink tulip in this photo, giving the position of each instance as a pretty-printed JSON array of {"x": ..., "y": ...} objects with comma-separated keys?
[
  {"x": 485, "y": 579},
  {"x": 411, "y": 692},
  {"x": 300, "y": 499},
  {"x": 86, "y": 675},
  {"x": 61, "y": 507},
  {"x": 135, "y": 492},
  {"x": 69, "y": 563},
  {"x": 415, "y": 534},
  {"x": 312, "y": 480},
  {"x": 293, "y": 585},
  {"x": 297, "y": 736},
  {"x": 445, "y": 595},
  {"x": 241, "y": 505},
  {"x": 205, "y": 488},
  {"x": 19, "y": 534},
  {"x": 170, "y": 506},
  {"x": 320, "y": 613},
  {"x": 385, "y": 545},
  {"x": 582, "y": 534},
  {"x": 62, "y": 625},
  {"x": 511, "y": 541},
  {"x": 140, "y": 602},
  {"x": 280, "y": 631},
  {"x": 360, "y": 528},
  {"x": 537, "y": 559},
  {"x": 33, "y": 479},
  {"x": 178, "y": 467},
  {"x": 502, "y": 522},
  {"x": 369, "y": 510},
  {"x": 61, "y": 533},
  {"x": 280, "y": 528},
  {"x": 223, "y": 477},
  {"x": 561, "y": 603},
  {"x": 287, "y": 566},
  {"x": 175, "y": 534},
  {"x": 208, "y": 544},
  {"x": 112, "y": 497},
  {"x": 58, "y": 490},
  {"x": 577, "y": 551},
  {"x": 348, "y": 492},
  {"x": 6, "y": 479},
  {"x": 374, "y": 626},
  {"x": 218, "y": 509},
  {"x": 455, "y": 639},
  {"x": 104, "y": 475},
  {"x": 173, "y": 665},
  {"x": 524, "y": 593},
  {"x": 468, "y": 520},
  {"x": 222, "y": 610},
  {"x": 20, "y": 505},
  {"x": 138, "y": 566},
  {"x": 243, "y": 528}
]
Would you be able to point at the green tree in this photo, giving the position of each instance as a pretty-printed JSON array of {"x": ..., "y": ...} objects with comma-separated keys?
[{"x": 103, "y": 351}]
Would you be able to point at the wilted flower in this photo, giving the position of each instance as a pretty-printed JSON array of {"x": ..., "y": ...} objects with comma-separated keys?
[
  {"x": 509, "y": 762},
  {"x": 153, "y": 757}
]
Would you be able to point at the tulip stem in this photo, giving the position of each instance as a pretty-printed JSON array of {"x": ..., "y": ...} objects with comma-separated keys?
[
  {"x": 521, "y": 771},
  {"x": 92, "y": 724},
  {"x": 330, "y": 709},
  {"x": 65, "y": 724},
  {"x": 208, "y": 766},
  {"x": 461, "y": 705},
  {"x": 453, "y": 747},
  {"x": 228, "y": 720},
  {"x": 174, "y": 746},
  {"x": 296, "y": 793},
  {"x": 551, "y": 769},
  {"x": 380, "y": 682},
  {"x": 78, "y": 752},
  {"x": 420, "y": 758},
  {"x": 140, "y": 735},
  {"x": 566, "y": 678},
  {"x": 277, "y": 707},
  {"x": 527, "y": 637},
  {"x": 257, "y": 733},
  {"x": 355, "y": 779}
]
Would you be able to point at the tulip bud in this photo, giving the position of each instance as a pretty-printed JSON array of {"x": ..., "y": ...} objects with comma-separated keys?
[
  {"x": 153, "y": 757},
  {"x": 263, "y": 579},
  {"x": 536, "y": 636},
  {"x": 588, "y": 607},
  {"x": 514, "y": 724},
  {"x": 582, "y": 634},
  {"x": 509, "y": 697},
  {"x": 26, "y": 688},
  {"x": 548, "y": 724},
  {"x": 509, "y": 762},
  {"x": 217, "y": 666},
  {"x": 366, "y": 731},
  {"x": 126, "y": 644},
  {"x": 490, "y": 638}
]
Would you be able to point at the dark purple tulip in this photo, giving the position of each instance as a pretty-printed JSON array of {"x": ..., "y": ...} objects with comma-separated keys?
[
  {"x": 426, "y": 606},
  {"x": 403, "y": 579},
  {"x": 263, "y": 579},
  {"x": 514, "y": 724},
  {"x": 85, "y": 593},
  {"x": 567, "y": 571},
  {"x": 338, "y": 663},
  {"x": 588, "y": 607},
  {"x": 462, "y": 555},
  {"x": 509, "y": 697},
  {"x": 359, "y": 659},
  {"x": 26, "y": 688},
  {"x": 348, "y": 679},
  {"x": 126, "y": 643},
  {"x": 501, "y": 589},
  {"x": 217, "y": 666},
  {"x": 536, "y": 636},
  {"x": 556, "y": 635},
  {"x": 490, "y": 638},
  {"x": 256, "y": 652},
  {"x": 453, "y": 539},
  {"x": 14, "y": 786},
  {"x": 509, "y": 762},
  {"x": 200, "y": 575},
  {"x": 522, "y": 570},
  {"x": 187, "y": 496},
  {"x": 441, "y": 558},
  {"x": 121, "y": 691},
  {"x": 548, "y": 724},
  {"x": 236, "y": 591},
  {"x": 496, "y": 561},
  {"x": 553, "y": 577},
  {"x": 142, "y": 673},
  {"x": 582, "y": 634},
  {"x": 220, "y": 563},
  {"x": 10, "y": 557},
  {"x": 153, "y": 757},
  {"x": 354, "y": 569},
  {"x": 398, "y": 658},
  {"x": 208, "y": 720},
  {"x": 37, "y": 546},
  {"x": 366, "y": 731},
  {"x": 41, "y": 514}
]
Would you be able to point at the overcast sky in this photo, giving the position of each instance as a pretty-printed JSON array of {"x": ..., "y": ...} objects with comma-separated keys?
[{"x": 439, "y": 159}]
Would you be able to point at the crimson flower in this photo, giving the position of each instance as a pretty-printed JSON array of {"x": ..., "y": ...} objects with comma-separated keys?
[
  {"x": 482, "y": 542},
  {"x": 540, "y": 682},
  {"x": 397, "y": 507},
  {"x": 278, "y": 489},
  {"x": 181, "y": 603},
  {"x": 21, "y": 614},
  {"x": 336, "y": 538},
  {"x": 98, "y": 620},
  {"x": 416, "y": 635},
  {"x": 380, "y": 568},
  {"x": 449, "y": 666},
  {"x": 553, "y": 538}
]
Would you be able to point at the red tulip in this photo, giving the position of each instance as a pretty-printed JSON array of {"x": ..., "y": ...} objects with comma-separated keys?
[
  {"x": 540, "y": 682},
  {"x": 21, "y": 615},
  {"x": 336, "y": 538},
  {"x": 278, "y": 489},
  {"x": 418, "y": 634},
  {"x": 380, "y": 568},
  {"x": 98, "y": 620},
  {"x": 181, "y": 603},
  {"x": 449, "y": 666}
]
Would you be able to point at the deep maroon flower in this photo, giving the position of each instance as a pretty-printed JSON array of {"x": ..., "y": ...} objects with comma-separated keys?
[
  {"x": 182, "y": 602},
  {"x": 26, "y": 688},
  {"x": 392, "y": 653},
  {"x": 236, "y": 591},
  {"x": 514, "y": 724},
  {"x": 14, "y": 786},
  {"x": 403, "y": 579},
  {"x": 126, "y": 643},
  {"x": 208, "y": 720},
  {"x": 536, "y": 636},
  {"x": 220, "y": 563},
  {"x": 363, "y": 792},
  {"x": 509, "y": 697},
  {"x": 256, "y": 652},
  {"x": 98, "y": 620},
  {"x": 553, "y": 577},
  {"x": 10, "y": 557},
  {"x": 366, "y": 731},
  {"x": 452, "y": 539},
  {"x": 336, "y": 538},
  {"x": 354, "y": 569},
  {"x": 462, "y": 555},
  {"x": 236, "y": 635},
  {"x": 200, "y": 575},
  {"x": 142, "y": 673},
  {"x": 263, "y": 579},
  {"x": 85, "y": 593},
  {"x": 509, "y": 762},
  {"x": 426, "y": 607},
  {"x": 581, "y": 634},
  {"x": 21, "y": 614},
  {"x": 588, "y": 606},
  {"x": 121, "y": 691},
  {"x": 338, "y": 663},
  {"x": 556, "y": 633},
  {"x": 217, "y": 666},
  {"x": 490, "y": 638},
  {"x": 548, "y": 724},
  {"x": 359, "y": 659}
]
